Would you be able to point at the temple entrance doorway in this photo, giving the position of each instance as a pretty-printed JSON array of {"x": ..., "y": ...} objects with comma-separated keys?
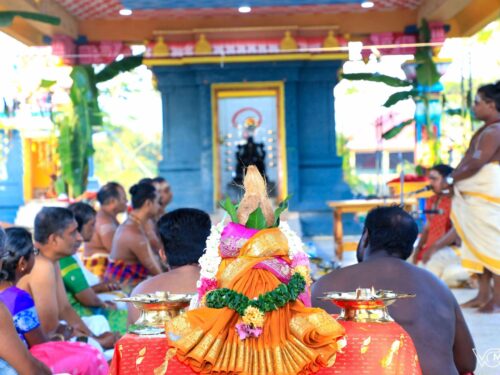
[{"x": 248, "y": 128}]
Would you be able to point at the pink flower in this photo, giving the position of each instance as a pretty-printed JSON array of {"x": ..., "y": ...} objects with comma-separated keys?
[
  {"x": 206, "y": 285},
  {"x": 300, "y": 259},
  {"x": 245, "y": 331}
]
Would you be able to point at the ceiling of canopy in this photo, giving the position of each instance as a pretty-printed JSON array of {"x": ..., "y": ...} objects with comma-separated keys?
[{"x": 102, "y": 9}]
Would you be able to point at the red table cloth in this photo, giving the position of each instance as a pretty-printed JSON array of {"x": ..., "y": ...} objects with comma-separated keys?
[{"x": 372, "y": 349}]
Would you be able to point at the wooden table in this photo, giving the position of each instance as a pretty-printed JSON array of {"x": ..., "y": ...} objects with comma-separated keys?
[{"x": 354, "y": 206}]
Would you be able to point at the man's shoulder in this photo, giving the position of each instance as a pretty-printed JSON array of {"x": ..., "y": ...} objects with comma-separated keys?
[
  {"x": 492, "y": 130},
  {"x": 336, "y": 275},
  {"x": 153, "y": 284},
  {"x": 43, "y": 269}
]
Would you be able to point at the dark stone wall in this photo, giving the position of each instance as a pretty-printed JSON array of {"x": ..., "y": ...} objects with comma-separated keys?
[{"x": 314, "y": 169}]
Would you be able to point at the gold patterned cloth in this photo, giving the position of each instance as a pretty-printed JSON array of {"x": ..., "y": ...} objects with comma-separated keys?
[{"x": 295, "y": 339}]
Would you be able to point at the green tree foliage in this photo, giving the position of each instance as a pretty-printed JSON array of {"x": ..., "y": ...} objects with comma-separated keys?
[
  {"x": 77, "y": 121},
  {"x": 125, "y": 155}
]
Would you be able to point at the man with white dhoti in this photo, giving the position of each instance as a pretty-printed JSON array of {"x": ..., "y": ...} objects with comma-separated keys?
[{"x": 476, "y": 201}]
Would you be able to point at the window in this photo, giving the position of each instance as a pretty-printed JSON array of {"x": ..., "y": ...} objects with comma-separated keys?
[
  {"x": 394, "y": 161},
  {"x": 366, "y": 160}
]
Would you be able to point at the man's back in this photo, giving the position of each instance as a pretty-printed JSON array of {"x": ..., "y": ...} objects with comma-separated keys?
[
  {"x": 429, "y": 318},
  {"x": 179, "y": 280},
  {"x": 128, "y": 238},
  {"x": 42, "y": 284},
  {"x": 105, "y": 228}
]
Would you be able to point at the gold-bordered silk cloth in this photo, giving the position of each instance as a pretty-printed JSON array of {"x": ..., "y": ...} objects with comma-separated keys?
[{"x": 295, "y": 339}]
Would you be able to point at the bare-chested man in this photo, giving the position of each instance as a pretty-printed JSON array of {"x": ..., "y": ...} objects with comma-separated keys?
[
  {"x": 150, "y": 225},
  {"x": 183, "y": 233},
  {"x": 433, "y": 318},
  {"x": 57, "y": 236},
  {"x": 113, "y": 201},
  {"x": 476, "y": 201},
  {"x": 131, "y": 259}
]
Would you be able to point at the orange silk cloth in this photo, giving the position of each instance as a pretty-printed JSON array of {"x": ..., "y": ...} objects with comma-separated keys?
[
  {"x": 295, "y": 339},
  {"x": 374, "y": 349}
]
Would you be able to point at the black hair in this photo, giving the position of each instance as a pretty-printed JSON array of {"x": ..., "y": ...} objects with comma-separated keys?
[
  {"x": 18, "y": 244},
  {"x": 109, "y": 191},
  {"x": 141, "y": 193},
  {"x": 83, "y": 213},
  {"x": 3, "y": 238},
  {"x": 159, "y": 180},
  {"x": 443, "y": 169},
  {"x": 491, "y": 92},
  {"x": 391, "y": 229},
  {"x": 146, "y": 180},
  {"x": 51, "y": 220},
  {"x": 184, "y": 233}
]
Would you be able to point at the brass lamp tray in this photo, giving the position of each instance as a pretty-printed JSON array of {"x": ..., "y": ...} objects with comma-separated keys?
[
  {"x": 365, "y": 305},
  {"x": 156, "y": 309}
]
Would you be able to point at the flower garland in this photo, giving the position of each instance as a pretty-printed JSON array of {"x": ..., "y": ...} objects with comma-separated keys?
[
  {"x": 252, "y": 312},
  {"x": 209, "y": 263}
]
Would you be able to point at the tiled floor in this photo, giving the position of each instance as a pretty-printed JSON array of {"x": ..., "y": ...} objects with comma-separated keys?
[{"x": 485, "y": 329}]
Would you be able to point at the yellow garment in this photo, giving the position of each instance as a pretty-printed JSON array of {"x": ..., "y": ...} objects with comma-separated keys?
[
  {"x": 476, "y": 217},
  {"x": 295, "y": 339},
  {"x": 97, "y": 263}
]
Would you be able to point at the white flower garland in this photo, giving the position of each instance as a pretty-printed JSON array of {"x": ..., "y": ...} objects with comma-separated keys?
[
  {"x": 295, "y": 244},
  {"x": 210, "y": 261}
]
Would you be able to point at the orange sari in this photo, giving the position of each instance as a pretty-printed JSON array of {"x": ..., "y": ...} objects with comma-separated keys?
[{"x": 295, "y": 339}]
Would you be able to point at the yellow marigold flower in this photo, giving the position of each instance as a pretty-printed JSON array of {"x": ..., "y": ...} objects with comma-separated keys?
[
  {"x": 204, "y": 300},
  {"x": 253, "y": 316},
  {"x": 304, "y": 272}
]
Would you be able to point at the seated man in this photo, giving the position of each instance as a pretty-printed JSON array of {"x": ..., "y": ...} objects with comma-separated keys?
[
  {"x": 150, "y": 225},
  {"x": 165, "y": 192},
  {"x": 433, "y": 318},
  {"x": 57, "y": 236},
  {"x": 113, "y": 201},
  {"x": 131, "y": 259},
  {"x": 435, "y": 250},
  {"x": 183, "y": 233},
  {"x": 83, "y": 298}
]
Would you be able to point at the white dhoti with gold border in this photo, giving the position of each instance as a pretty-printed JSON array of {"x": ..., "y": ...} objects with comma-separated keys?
[{"x": 476, "y": 217}]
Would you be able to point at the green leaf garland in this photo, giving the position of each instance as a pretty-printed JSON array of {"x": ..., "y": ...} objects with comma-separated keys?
[{"x": 270, "y": 301}]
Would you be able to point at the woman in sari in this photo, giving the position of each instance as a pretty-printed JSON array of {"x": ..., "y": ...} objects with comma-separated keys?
[
  {"x": 14, "y": 356},
  {"x": 254, "y": 317},
  {"x": 60, "y": 356}
]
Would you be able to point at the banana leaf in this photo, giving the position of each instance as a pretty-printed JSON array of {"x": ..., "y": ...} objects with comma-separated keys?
[
  {"x": 427, "y": 74},
  {"x": 124, "y": 65},
  {"x": 400, "y": 96},
  {"x": 84, "y": 90},
  {"x": 391, "y": 133},
  {"x": 256, "y": 220},
  {"x": 6, "y": 17},
  {"x": 424, "y": 31},
  {"x": 278, "y": 211},
  {"x": 375, "y": 77},
  {"x": 455, "y": 112},
  {"x": 230, "y": 208},
  {"x": 47, "y": 84}
]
